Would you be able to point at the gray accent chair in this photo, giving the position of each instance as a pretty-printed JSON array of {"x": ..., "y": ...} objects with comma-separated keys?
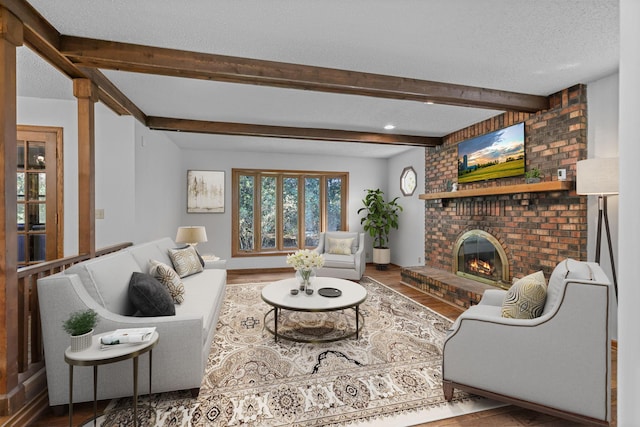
[
  {"x": 558, "y": 363},
  {"x": 350, "y": 267}
]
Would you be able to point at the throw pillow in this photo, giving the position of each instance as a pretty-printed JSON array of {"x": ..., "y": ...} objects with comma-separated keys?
[
  {"x": 340, "y": 246},
  {"x": 169, "y": 278},
  {"x": 197, "y": 253},
  {"x": 525, "y": 299},
  {"x": 185, "y": 261},
  {"x": 149, "y": 296}
]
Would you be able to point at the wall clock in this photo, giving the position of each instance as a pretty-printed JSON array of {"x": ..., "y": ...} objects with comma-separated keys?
[{"x": 408, "y": 181}]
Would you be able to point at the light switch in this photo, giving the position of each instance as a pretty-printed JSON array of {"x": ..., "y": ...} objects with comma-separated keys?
[{"x": 99, "y": 213}]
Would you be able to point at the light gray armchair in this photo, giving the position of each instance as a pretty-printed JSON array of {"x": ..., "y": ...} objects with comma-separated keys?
[
  {"x": 558, "y": 363},
  {"x": 344, "y": 262}
]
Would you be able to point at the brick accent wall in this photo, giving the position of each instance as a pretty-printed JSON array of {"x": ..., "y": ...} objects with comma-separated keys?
[{"x": 537, "y": 230}]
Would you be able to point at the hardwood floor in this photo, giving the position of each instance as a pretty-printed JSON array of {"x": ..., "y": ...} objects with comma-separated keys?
[{"x": 505, "y": 416}]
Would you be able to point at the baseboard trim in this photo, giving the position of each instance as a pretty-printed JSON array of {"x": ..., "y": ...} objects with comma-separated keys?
[{"x": 30, "y": 412}]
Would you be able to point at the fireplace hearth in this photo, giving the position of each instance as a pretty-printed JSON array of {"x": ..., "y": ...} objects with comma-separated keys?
[{"x": 478, "y": 255}]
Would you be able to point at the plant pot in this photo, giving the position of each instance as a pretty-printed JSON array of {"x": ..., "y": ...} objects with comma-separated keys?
[
  {"x": 81, "y": 342},
  {"x": 531, "y": 180},
  {"x": 381, "y": 257}
]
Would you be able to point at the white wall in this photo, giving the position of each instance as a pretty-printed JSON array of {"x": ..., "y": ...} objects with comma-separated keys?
[
  {"x": 363, "y": 174},
  {"x": 629, "y": 149},
  {"x": 407, "y": 242},
  {"x": 115, "y": 174},
  {"x": 159, "y": 198},
  {"x": 115, "y": 177},
  {"x": 602, "y": 142}
]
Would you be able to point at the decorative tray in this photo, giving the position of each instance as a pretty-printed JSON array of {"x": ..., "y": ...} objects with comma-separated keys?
[{"x": 330, "y": 292}]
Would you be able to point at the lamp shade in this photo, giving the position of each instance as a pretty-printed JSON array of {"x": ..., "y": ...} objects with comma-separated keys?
[
  {"x": 597, "y": 176},
  {"x": 191, "y": 234}
]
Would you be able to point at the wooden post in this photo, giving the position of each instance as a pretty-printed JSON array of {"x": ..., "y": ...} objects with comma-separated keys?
[
  {"x": 11, "y": 393},
  {"x": 87, "y": 94}
]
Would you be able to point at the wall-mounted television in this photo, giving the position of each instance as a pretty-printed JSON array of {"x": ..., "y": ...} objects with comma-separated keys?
[{"x": 498, "y": 154}]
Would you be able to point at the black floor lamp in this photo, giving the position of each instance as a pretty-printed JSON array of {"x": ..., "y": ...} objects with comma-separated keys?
[{"x": 600, "y": 177}]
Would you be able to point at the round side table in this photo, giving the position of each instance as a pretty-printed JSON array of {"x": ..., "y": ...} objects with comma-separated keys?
[{"x": 96, "y": 356}]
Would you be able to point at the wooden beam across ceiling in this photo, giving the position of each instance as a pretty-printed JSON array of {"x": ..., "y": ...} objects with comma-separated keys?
[
  {"x": 179, "y": 63},
  {"x": 44, "y": 39},
  {"x": 266, "y": 131}
]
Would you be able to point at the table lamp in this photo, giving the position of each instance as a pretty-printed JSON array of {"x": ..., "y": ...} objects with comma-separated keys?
[
  {"x": 600, "y": 177},
  {"x": 191, "y": 235}
]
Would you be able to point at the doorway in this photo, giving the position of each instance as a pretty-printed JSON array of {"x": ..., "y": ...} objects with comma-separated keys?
[{"x": 40, "y": 194}]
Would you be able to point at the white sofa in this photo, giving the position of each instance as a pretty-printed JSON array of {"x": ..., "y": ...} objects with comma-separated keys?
[
  {"x": 102, "y": 283},
  {"x": 558, "y": 363},
  {"x": 344, "y": 266}
]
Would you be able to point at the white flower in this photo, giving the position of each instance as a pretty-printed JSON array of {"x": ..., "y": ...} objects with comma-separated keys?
[{"x": 305, "y": 259}]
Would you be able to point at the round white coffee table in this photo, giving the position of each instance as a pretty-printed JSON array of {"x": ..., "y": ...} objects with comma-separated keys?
[{"x": 278, "y": 295}]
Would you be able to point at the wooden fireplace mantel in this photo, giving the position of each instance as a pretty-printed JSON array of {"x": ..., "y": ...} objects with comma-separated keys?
[{"x": 504, "y": 189}]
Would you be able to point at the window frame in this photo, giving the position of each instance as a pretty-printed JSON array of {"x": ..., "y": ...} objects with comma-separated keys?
[{"x": 279, "y": 249}]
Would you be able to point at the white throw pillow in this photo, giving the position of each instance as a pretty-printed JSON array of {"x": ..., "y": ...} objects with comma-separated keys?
[
  {"x": 168, "y": 277},
  {"x": 339, "y": 246}
]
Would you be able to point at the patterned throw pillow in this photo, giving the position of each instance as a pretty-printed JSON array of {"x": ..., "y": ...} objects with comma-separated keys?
[
  {"x": 340, "y": 246},
  {"x": 185, "y": 261},
  {"x": 168, "y": 277},
  {"x": 526, "y": 297}
]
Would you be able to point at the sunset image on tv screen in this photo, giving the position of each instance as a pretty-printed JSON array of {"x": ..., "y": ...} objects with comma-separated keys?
[{"x": 497, "y": 154}]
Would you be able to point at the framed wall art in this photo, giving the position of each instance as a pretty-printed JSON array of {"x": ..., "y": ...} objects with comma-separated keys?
[{"x": 205, "y": 191}]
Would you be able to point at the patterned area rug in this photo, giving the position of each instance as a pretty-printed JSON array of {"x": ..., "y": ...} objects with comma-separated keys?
[{"x": 390, "y": 376}]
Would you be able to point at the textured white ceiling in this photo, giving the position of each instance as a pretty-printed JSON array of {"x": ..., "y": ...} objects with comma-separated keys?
[{"x": 536, "y": 47}]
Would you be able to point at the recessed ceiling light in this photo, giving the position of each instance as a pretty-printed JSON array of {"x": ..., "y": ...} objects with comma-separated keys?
[
  {"x": 389, "y": 126},
  {"x": 429, "y": 102}
]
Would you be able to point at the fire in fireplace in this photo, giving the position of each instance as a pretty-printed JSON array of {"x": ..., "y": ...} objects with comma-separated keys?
[
  {"x": 481, "y": 267},
  {"x": 479, "y": 256}
]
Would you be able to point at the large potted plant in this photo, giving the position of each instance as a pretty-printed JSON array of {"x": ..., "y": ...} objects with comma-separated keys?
[{"x": 380, "y": 217}]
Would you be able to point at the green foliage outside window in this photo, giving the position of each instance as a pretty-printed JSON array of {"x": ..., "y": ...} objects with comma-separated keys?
[{"x": 289, "y": 209}]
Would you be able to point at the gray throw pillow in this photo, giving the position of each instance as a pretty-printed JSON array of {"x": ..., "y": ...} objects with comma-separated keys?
[{"x": 149, "y": 296}]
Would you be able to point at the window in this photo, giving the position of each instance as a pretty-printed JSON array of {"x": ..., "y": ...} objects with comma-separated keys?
[{"x": 276, "y": 212}]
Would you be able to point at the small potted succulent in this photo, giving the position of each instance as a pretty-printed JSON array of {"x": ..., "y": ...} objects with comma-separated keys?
[
  {"x": 532, "y": 176},
  {"x": 80, "y": 326}
]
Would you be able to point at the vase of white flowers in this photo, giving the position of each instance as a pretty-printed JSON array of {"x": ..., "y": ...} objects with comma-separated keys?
[{"x": 305, "y": 261}]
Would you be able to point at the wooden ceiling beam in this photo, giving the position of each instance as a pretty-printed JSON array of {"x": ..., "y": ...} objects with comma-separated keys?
[
  {"x": 32, "y": 19},
  {"x": 109, "y": 91},
  {"x": 53, "y": 57},
  {"x": 266, "y": 131},
  {"x": 179, "y": 63},
  {"x": 44, "y": 39}
]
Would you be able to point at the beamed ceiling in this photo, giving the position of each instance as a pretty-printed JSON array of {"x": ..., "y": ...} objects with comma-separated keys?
[{"x": 314, "y": 77}]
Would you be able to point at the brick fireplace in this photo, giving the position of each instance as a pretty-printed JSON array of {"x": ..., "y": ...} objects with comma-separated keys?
[
  {"x": 480, "y": 256},
  {"x": 536, "y": 229}
]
